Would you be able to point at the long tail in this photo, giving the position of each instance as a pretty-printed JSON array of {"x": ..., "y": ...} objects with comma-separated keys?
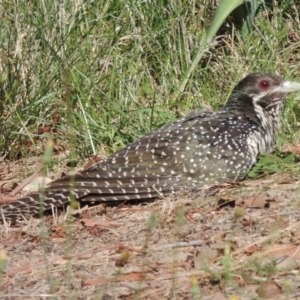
[
  {"x": 84, "y": 189},
  {"x": 31, "y": 205}
]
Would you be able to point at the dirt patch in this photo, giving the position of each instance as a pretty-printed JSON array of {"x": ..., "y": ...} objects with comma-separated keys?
[{"x": 242, "y": 241}]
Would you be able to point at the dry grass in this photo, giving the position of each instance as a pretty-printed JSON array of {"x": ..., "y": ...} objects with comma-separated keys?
[{"x": 188, "y": 245}]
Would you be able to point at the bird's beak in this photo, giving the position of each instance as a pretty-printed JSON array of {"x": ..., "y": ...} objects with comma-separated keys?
[{"x": 289, "y": 87}]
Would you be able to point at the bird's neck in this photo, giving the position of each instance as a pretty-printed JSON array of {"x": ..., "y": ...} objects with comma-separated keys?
[{"x": 265, "y": 119}]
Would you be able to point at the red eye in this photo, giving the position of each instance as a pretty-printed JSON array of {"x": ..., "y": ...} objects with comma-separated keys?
[{"x": 264, "y": 84}]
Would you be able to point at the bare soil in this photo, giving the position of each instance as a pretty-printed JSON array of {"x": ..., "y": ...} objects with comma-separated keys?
[{"x": 233, "y": 242}]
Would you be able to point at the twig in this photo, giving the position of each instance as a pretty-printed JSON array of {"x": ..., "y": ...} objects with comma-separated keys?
[
  {"x": 179, "y": 245},
  {"x": 134, "y": 287}
]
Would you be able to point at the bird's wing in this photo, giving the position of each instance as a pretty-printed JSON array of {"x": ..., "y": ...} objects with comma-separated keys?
[
  {"x": 184, "y": 154},
  {"x": 179, "y": 155}
]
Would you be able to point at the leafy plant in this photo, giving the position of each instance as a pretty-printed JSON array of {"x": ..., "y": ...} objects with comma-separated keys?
[
  {"x": 274, "y": 163},
  {"x": 243, "y": 11}
]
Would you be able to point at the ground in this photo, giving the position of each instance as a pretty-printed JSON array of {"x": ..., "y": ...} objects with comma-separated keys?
[{"x": 237, "y": 241}]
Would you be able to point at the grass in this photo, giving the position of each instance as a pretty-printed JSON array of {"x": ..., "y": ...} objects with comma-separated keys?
[
  {"x": 100, "y": 74},
  {"x": 111, "y": 70}
]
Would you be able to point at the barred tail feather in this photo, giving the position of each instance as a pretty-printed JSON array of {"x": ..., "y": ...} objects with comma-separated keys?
[
  {"x": 60, "y": 193},
  {"x": 32, "y": 205}
]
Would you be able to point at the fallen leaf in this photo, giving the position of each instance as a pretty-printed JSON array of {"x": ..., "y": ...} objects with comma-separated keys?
[
  {"x": 272, "y": 203},
  {"x": 295, "y": 149},
  {"x": 36, "y": 184},
  {"x": 269, "y": 290},
  {"x": 92, "y": 161},
  {"x": 281, "y": 262},
  {"x": 204, "y": 256},
  {"x": 281, "y": 250},
  {"x": 218, "y": 296},
  {"x": 6, "y": 199},
  {"x": 255, "y": 202},
  {"x": 251, "y": 249},
  {"x": 134, "y": 276},
  {"x": 247, "y": 221},
  {"x": 58, "y": 232},
  {"x": 227, "y": 200},
  {"x": 286, "y": 262},
  {"x": 100, "y": 223}
]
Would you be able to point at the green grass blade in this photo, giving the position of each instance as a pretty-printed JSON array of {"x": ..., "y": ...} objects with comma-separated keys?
[{"x": 223, "y": 11}]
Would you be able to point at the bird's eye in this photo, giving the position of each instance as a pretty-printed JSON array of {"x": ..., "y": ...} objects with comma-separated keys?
[{"x": 264, "y": 84}]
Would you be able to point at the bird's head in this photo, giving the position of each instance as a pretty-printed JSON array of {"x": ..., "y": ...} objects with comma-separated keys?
[{"x": 261, "y": 93}]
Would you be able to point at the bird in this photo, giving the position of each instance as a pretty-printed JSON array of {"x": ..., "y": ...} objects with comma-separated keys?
[{"x": 201, "y": 150}]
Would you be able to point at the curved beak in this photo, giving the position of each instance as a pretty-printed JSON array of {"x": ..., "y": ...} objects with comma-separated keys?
[{"x": 289, "y": 87}]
